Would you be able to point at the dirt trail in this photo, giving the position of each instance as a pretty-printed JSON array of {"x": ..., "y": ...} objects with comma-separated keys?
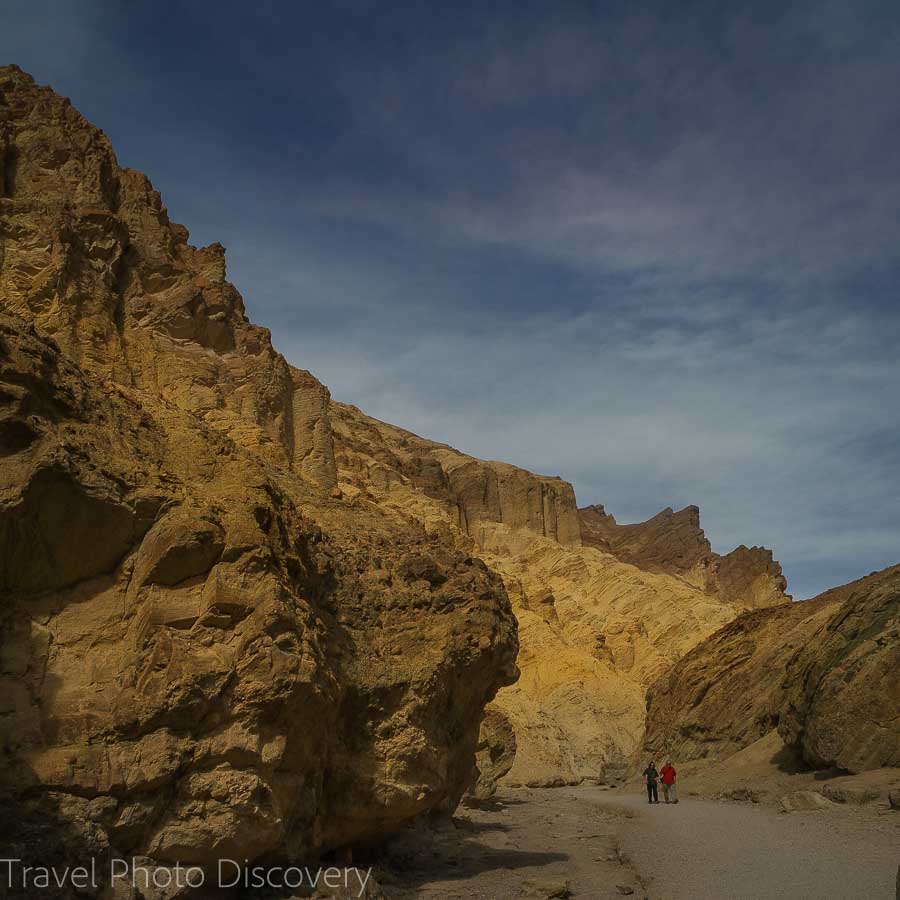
[{"x": 601, "y": 844}]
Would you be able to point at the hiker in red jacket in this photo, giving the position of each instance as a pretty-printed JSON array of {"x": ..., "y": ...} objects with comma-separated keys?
[{"x": 667, "y": 774}]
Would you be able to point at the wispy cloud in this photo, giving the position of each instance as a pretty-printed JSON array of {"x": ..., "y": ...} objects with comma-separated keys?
[{"x": 645, "y": 142}]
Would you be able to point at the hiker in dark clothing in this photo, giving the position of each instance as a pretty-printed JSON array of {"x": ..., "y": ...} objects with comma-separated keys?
[{"x": 652, "y": 776}]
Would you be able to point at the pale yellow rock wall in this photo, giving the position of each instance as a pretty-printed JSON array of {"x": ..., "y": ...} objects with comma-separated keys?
[{"x": 594, "y": 634}]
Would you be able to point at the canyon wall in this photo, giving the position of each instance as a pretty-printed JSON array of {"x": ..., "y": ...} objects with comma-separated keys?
[{"x": 205, "y": 651}]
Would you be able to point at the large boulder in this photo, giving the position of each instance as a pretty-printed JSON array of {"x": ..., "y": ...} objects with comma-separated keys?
[{"x": 217, "y": 674}]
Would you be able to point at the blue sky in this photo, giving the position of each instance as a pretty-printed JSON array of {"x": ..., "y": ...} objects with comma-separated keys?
[{"x": 653, "y": 248}]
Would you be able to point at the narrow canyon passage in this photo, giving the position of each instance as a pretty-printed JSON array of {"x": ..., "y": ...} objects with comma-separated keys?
[{"x": 244, "y": 623}]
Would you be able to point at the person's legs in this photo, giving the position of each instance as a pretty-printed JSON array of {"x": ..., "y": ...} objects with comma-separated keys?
[
  {"x": 649, "y": 792},
  {"x": 666, "y": 792},
  {"x": 655, "y": 793},
  {"x": 674, "y": 790}
]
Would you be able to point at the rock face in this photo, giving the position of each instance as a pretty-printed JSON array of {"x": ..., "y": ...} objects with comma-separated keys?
[
  {"x": 312, "y": 448},
  {"x": 92, "y": 260},
  {"x": 204, "y": 652},
  {"x": 843, "y": 688},
  {"x": 823, "y": 672},
  {"x": 673, "y": 543},
  {"x": 496, "y": 753}
]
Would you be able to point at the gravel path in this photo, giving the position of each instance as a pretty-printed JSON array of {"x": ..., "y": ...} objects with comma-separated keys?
[{"x": 702, "y": 849}]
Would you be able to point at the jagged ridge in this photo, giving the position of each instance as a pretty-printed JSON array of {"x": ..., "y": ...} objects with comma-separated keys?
[{"x": 673, "y": 543}]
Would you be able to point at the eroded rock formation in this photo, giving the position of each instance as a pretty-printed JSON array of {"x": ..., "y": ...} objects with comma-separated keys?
[
  {"x": 92, "y": 260},
  {"x": 204, "y": 651},
  {"x": 824, "y": 672},
  {"x": 474, "y": 493}
]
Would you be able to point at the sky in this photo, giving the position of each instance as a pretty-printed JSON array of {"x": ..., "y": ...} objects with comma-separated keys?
[{"x": 653, "y": 248}]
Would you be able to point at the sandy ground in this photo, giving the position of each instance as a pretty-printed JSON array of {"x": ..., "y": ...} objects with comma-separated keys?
[
  {"x": 595, "y": 843},
  {"x": 712, "y": 849}
]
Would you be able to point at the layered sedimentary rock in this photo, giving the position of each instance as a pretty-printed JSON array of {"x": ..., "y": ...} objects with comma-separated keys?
[
  {"x": 673, "y": 543},
  {"x": 823, "y": 672},
  {"x": 204, "y": 650},
  {"x": 594, "y": 634},
  {"x": 728, "y": 692}
]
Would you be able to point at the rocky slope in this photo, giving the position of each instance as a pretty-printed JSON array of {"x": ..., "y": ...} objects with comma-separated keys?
[
  {"x": 843, "y": 688},
  {"x": 825, "y": 673},
  {"x": 204, "y": 651}
]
